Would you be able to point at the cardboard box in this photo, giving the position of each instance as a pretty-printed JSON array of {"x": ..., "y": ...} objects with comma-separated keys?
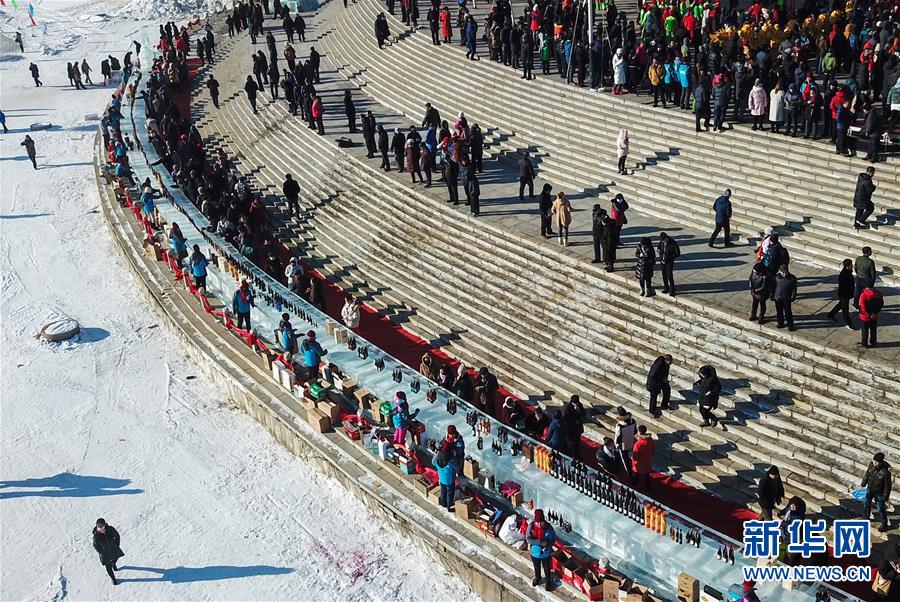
[
  {"x": 517, "y": 499},
  {"x": 434, "y": 495},
  {"x": 277, "y": 369},
  {"x": 470, "y": 468},
  {"x": 636, "y": 594},
  {"x": 593, "y": 587},
  {"x": 348, "y": 385},
  {"x": 688, "y": 588},
  {"x": 333, "y": 411},
  {"x": 267, "y": 357},
  {"x": 329, "y": 327},
  {"x": 153, "y": 250},
  {"x": 569, "y": 568},
  {"x": 611, "y": 589},
  {"x": 363, "y": 398},
  {"x": 423, "y": 486},
  {"x": 319, "y": 420},
  {"x": 465, "y": 509},
  {"x": 340, "y": 336},
  {"x": 287, "y": 379}
]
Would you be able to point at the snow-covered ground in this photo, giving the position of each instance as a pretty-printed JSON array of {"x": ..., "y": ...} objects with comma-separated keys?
[{"x": 116, "y": 423}]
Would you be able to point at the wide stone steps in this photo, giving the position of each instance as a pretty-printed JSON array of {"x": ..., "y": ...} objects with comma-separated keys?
[
  {"x": 450, "y": 304},
  {"x": 823, "y": 244}
]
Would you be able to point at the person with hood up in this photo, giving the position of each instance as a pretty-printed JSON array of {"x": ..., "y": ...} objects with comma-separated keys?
[
  {"x": 709, "y": 387},
  {"x": 411, "y": 152},
  {"x": 540, "y": 536},
  {"x": 759, "y": 102},
  {"x": 785, "y": 294},
  {"x": 350, "y": 313},
  {"x": 769, "y": 492},
  {"x": 428, "y": 368},
  {"x": 792, "y": 105},
  {"x": 618, "y": 65},
  {"x": 312, "y": 353},
  {"x": 760, "y": 286},
  {"x": 241, "y": 304},
  {"x": 622, "y": 147},
  {"x": 446, "y": 470},
  {"x": 398, "y": 146},
  {"x": 545, "y": 208},
  {"x": 511, "y": 532},
  {"x": 562, "y": 211},
  {"x": 556, "y": 436},
  {"x": 624, "y": 436},
  {"x": 889, "y": 570},
  {"x": 382, "y": 32},
  {"x": 106, "y": 542},
  {"x": 643, "y": 270},
  {"x": 642, "y": 458}
]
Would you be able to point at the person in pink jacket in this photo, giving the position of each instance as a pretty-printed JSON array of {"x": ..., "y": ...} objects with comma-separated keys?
[
  {"x": 622, "y": 145},
  {"x": 759, "y": 102}
]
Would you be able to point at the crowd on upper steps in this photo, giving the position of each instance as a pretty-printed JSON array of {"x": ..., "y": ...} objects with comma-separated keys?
[{"x": 814, "y": 70}]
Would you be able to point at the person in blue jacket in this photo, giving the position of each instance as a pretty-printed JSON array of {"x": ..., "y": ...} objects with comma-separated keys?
[
  {"x": 312, "y": 352},
  {"x": 286, "y": 335},
  {"x": 147, "y": 204},
  {"x": 198, "y": 263},
  {"x": 684, "y": 78},
  {"x": 556, "y": 432},
  {"x": 540, "y": 537},
  {"x": 722, "y": 207},
  {"x": 241, "y": 303},
  {"x": 446, "y": 470},
  {"x": 178, "y": 242}
]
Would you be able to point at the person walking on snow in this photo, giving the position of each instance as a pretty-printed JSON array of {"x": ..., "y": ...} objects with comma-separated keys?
[
  {"x": 35, "y": 75},
  {"x": 106, "y": 542},
  {"x": 86, "y": 71},
  {"x": 28, "y": 143}
]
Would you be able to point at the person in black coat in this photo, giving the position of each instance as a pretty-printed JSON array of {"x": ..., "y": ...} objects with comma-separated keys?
[
  {"x": 536, "y": 423},
  {"x": 760, "y": 286},
  {"x": 398, "y": 146},
  {"x": 658, "y": 382},
  {"x": 646, "y": 258},
  {"x": 476, "y": 147},
  {"x": 573, "y": 425},
  {"x": 432, "y": 117},
  {"x": 251, "y": 89},
  {"x": 526, "y": 176},
  {"x": 846, "y": 285},
  {"x": 667, "y": 251},
  {"x": 213, "y": 85},
  {"x": 384, "y": 147},
  {"x": 350, "y": 111},
  {"x": 368, "y": 128},
  {"x": 545, "y": 207},
  {"x": 598, "y": 214},
  {"x": 862, "y": 198},
  {"x": 709, "y": 388},
  {"x": 106, "y": 542},
  {"x": 473, "y": 191},
  {"x": 769, "y": 492}
]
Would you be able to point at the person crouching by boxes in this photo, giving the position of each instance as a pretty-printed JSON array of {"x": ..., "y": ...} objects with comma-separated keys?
[
  {"x": 312, "y": 354},
  {"x": 401, "y": 417},
  {"x": 446, "y": 476},
  {"x": 540, "y": 537}
]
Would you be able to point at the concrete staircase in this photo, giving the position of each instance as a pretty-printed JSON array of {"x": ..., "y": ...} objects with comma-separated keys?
[
  {"x": 569, "y": 328},
  {"x": 798, "y": 186}
]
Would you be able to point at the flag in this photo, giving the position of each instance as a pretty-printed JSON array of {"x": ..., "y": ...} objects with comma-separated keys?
[
  {"x": 30, "y": 9},
  {"x": 15, "y": 5},
  {"x": 2, "y": 2}
]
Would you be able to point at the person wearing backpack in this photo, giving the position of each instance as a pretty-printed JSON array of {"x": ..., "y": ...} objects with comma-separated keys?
[
  {"x": 668, "y": 251},
  {"x": 871, "y": 301}
]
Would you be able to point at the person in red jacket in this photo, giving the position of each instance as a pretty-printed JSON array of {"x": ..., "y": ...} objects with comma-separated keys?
[
  {"x": 870, "y": 303},
  {"x": 318, "y": 111},
  {"x": 642, "y": 457}
]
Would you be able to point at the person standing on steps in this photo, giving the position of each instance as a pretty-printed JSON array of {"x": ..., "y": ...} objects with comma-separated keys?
[
  {"x": 473, "y": 191},
  {"x": 398, "y": 147},
  {"x": 28, "y": 143},
  {"x": 722, "y": 208},
  {"x": 709, "y": 388},
  {"x": 432, "y": 117},
  {"x": 350, "y": 111},
  {"x": 471, "y": 36},
  {"x": 35, "y": 75},
  {"x": 759, "y": 102},
  {"x": 667, "y": 251},
  {"x": 451, "y": 178},
  {"x": 318, "y": 112},
  {"x": 845, "y": 290},
  {"x": 785, "y": 294},
  {"x": 274, "y": 76},
  {"x": 369, "y": 133},
  {"x": 658, "y": 382},
  {"x": 291, "y": 191},
  {"x": 106, "y": 542},
  {"x": 527, "y": 55},
  {"x": 476, "y": 147},
  {"x": 623, "y": 143},
  {"x": 871, "y": 301},
  {"x": 598, "y": 217},
  {"x": 526, "y": 176},
  {"x": 873, "y": 129},
  {"x": 315, "y": 61},
  {"x": 545, "y": 208},
  {"x": 618, "y": 207},
  {"x": 412, "y": 159},
  {"x": 760, "y": 286},
  {"x": 862, "y": 198},
  {"x": 212, "y": 84},
  {"x": 865, "y": 274},
  {"x": 382, "y": 32},
  {"x": 288, "y": 25},
  {"x": 540, "y": 536},
  {"x": 769, "y": 492},
  {"x": 251, "y": 89},
  {"x": 242, "y": 303},
  {"x": 562, "y": 211},
  {"x": 701, "y": 104},
  {"x": 384, "y": 147},
  {"x": 643, "y": 269},
  {"x": 877, "y": 482},
  {"x": 300, "y": 27}
]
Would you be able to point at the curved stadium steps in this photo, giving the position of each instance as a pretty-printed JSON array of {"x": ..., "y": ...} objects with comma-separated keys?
[
  {"x": 681, "y": 179},
  {"x": 423, "y": 277}
]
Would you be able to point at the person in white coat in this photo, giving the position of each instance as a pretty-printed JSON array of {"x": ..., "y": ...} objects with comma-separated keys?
[
  {"x": 622, "y": 146},
  {"x": 350, "y": 312},
  {"x": 776, "y": 107},
  {"x": 618, "y": 64},
  {"x": 759, "y": 102},
  {"x": 511, "y": 532}
]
